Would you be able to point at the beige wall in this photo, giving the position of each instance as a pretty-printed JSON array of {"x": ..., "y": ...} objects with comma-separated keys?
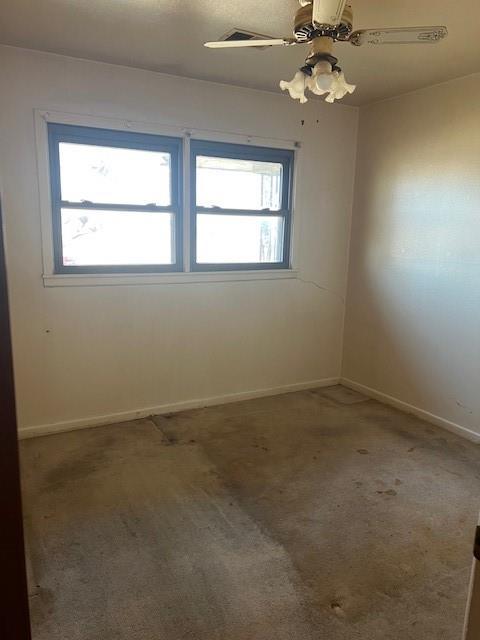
[
  {"x": 114, "y": 349},
  {"x": 413, "y": 308}
]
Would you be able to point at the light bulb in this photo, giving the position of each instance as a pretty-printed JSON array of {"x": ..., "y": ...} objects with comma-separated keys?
[
  {"x": 322, "y": 78},
  {"x": 324, "y": 81}
]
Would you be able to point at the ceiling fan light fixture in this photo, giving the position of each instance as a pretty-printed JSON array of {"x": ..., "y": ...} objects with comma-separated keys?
[
  {"x": 322, "y": 80},
  {"x": 321, "y": 24}
]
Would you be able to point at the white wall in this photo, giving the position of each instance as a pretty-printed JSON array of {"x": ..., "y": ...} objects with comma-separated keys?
[
  {"x": 117, "y": 349},
  {"x": 413, "y": 308}
]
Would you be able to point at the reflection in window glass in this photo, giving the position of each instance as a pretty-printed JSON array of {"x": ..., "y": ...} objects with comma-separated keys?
[
  {"x": 117, "y": 238},
  {"x": 111, "y": 175},
  {"x": 239, "y": 239},
  {"x": 238, "y": 184}
]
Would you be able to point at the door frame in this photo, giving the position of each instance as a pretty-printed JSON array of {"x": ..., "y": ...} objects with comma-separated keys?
[
  {"x": 14, "y": 611},
  {"x": 472, "y": 622}
]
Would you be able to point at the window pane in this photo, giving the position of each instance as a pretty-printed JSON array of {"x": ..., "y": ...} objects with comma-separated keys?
[
  {"x": 239, "y": 239},
  {"x": 238, "y": 184},
  {"x": 117, "y": 238},
  {"x": 116, "y": 176}
]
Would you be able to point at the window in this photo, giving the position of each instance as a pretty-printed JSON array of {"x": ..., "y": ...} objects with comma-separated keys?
[
  {"x": 116, "y": 201},
  {"x": 240, "y": 207}
]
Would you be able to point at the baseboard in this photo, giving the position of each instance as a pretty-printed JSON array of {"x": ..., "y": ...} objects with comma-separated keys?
[
  {"x": 127, "y": 416},
  {"x": 408, "y": 408}
]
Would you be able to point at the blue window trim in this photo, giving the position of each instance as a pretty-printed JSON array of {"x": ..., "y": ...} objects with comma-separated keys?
[
  {"x": 58, "y": 133},
  {"x": 241, "y": 152}
]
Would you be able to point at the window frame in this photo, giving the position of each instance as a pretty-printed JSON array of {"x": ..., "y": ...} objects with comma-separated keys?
[
  {"x": 285, "y": 157},
  {"x": 58, "y": 133}
]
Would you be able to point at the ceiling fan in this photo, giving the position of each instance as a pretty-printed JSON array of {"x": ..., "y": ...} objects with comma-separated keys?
[{"x": 321, "y": 23}]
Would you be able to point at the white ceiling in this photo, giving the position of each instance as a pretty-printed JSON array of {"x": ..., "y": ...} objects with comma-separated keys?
[{"x": 167, "y": 36}]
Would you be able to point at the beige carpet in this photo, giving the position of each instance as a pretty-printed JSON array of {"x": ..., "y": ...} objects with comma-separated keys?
[{"x": 315, "y": 515}]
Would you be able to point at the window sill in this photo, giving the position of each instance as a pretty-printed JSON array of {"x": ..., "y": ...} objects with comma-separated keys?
[{"x": 122, "y": 279}]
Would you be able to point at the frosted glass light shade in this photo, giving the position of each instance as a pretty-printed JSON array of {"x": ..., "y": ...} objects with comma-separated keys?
[{"x": 296, "y": 87}]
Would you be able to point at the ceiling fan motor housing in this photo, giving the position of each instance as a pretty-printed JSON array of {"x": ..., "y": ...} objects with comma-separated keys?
[{"x": 305, "y": 30}]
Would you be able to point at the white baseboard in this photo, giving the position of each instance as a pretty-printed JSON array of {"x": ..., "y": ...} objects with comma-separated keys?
[
  {"x": 126, "y": 416},
  {"x": 408, "y": 408}
]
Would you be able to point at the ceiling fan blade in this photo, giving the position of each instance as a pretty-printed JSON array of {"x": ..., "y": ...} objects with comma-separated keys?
[
  {"x": 328, "y": 12},
  {"x": 402, "y": 35},
  {"x": 253, "y": 42}
]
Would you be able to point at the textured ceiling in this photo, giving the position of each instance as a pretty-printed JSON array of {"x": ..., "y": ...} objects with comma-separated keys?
[{"x": 167, "y": 36}]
